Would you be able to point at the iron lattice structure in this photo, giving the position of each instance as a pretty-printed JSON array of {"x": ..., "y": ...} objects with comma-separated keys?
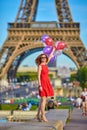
[{"x": 25, "y": 33}]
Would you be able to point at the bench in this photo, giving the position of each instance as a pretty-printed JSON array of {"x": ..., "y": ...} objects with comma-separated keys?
[
  {"x": 23, "y": 115},
  {"x": 5, "y": 113}
]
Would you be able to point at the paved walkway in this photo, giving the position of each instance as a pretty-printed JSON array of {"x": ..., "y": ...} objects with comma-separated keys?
[
  {"x": 57, "y": 119},
  {"x": 77, "y": 121}
]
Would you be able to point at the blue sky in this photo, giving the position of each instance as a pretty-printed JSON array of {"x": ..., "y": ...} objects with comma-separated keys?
[{"x": 8, "y": 12}]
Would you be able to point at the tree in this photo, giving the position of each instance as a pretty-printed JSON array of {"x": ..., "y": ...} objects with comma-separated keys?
[
  {"x": 81, "y": 76},
  {"x": 73, "y": 77}
]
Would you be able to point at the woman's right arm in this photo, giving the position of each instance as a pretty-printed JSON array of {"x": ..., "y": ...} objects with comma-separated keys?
[
  {"x": 39, "y": 81},
  {"x": 39, "y": 73},
  {"x": 50, "y": 56}
]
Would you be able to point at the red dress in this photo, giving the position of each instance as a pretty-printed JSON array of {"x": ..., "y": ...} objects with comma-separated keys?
[{"x": 47, "y": 89}]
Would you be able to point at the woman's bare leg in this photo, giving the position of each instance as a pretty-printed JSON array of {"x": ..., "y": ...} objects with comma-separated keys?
[
  {"x": 38, "y": 116},
  {"x": 43, "y": 104},
  {"x": 39, "y": 109}
]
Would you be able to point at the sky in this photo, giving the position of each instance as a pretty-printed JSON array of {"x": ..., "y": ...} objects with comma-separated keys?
[{"x": 8, "y": 12}]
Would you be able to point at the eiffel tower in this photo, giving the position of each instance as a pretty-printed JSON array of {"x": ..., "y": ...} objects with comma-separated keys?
[{"x": 24, "y": 36}]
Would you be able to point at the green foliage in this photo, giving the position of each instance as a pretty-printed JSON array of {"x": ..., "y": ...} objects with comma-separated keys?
[
  {"x": 26, "y": 76},
  {"x": 63, "y": 107},
  {"x": 73, "y": 77},
  {"x": 8, "y": 106},
  {"x": 34, "y": 107},
  {"x": 14, "y": 107},
  {"x": 85, "y": 84},
  {"x": 82, "y": 76},
  {"x": 50, "y": 76}
]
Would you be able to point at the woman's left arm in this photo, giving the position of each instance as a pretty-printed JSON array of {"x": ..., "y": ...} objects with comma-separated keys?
[{"x": 50, "y": 56}]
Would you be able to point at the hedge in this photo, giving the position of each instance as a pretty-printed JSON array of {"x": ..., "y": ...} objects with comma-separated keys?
[
  {"x": 8, "y": 106},
  {"x": 14, "y": 107}
]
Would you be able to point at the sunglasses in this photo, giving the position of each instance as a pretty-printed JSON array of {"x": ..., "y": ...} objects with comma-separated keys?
[{"x": 43, "y": 57}]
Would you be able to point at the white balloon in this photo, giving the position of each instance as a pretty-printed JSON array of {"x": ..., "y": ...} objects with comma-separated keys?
[{"x": 59, "y": 52}]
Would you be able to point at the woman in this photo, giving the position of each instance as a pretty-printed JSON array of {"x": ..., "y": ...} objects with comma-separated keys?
[{"x": 44, "y": 85}]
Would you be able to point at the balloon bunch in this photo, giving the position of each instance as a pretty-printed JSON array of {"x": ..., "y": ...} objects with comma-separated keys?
[{"x": 49, "y": 44}]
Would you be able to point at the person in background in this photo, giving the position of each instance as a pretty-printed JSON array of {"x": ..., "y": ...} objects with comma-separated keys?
[
  {"x": 52, "y": 103},
  {"x": 84, "y": 101},
  {"x": 78, "y": 102},
  {"x": 44, "y": 86},
  {"x": 19, "y": 107}
]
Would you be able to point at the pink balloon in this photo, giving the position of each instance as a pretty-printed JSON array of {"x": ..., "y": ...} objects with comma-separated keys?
[
  {"x": 47, "y": 50},
  {"x": 49, "y": 41},
  {"x": 60, "y": 45},
  {"x": 57, "y": 43}
]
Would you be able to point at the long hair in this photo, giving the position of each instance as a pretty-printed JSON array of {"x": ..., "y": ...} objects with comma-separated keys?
[{"x": 38, "y": 59}]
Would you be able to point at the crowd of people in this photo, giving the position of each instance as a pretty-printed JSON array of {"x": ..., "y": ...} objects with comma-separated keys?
[
  {"x": 80, "y": 101},
  {"x": 12, "y": 85}
]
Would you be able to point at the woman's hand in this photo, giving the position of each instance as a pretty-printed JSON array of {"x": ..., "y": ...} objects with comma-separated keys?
[
  {"x": 40, "y": 87},
  {"x": 50, "y": 56}
]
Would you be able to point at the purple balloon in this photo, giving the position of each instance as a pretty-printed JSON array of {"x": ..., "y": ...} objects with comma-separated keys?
[
  {"x": 47, "y": 50},
  {"x": 43, "y": 38},
  {"x": 53, "y": 58}
]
